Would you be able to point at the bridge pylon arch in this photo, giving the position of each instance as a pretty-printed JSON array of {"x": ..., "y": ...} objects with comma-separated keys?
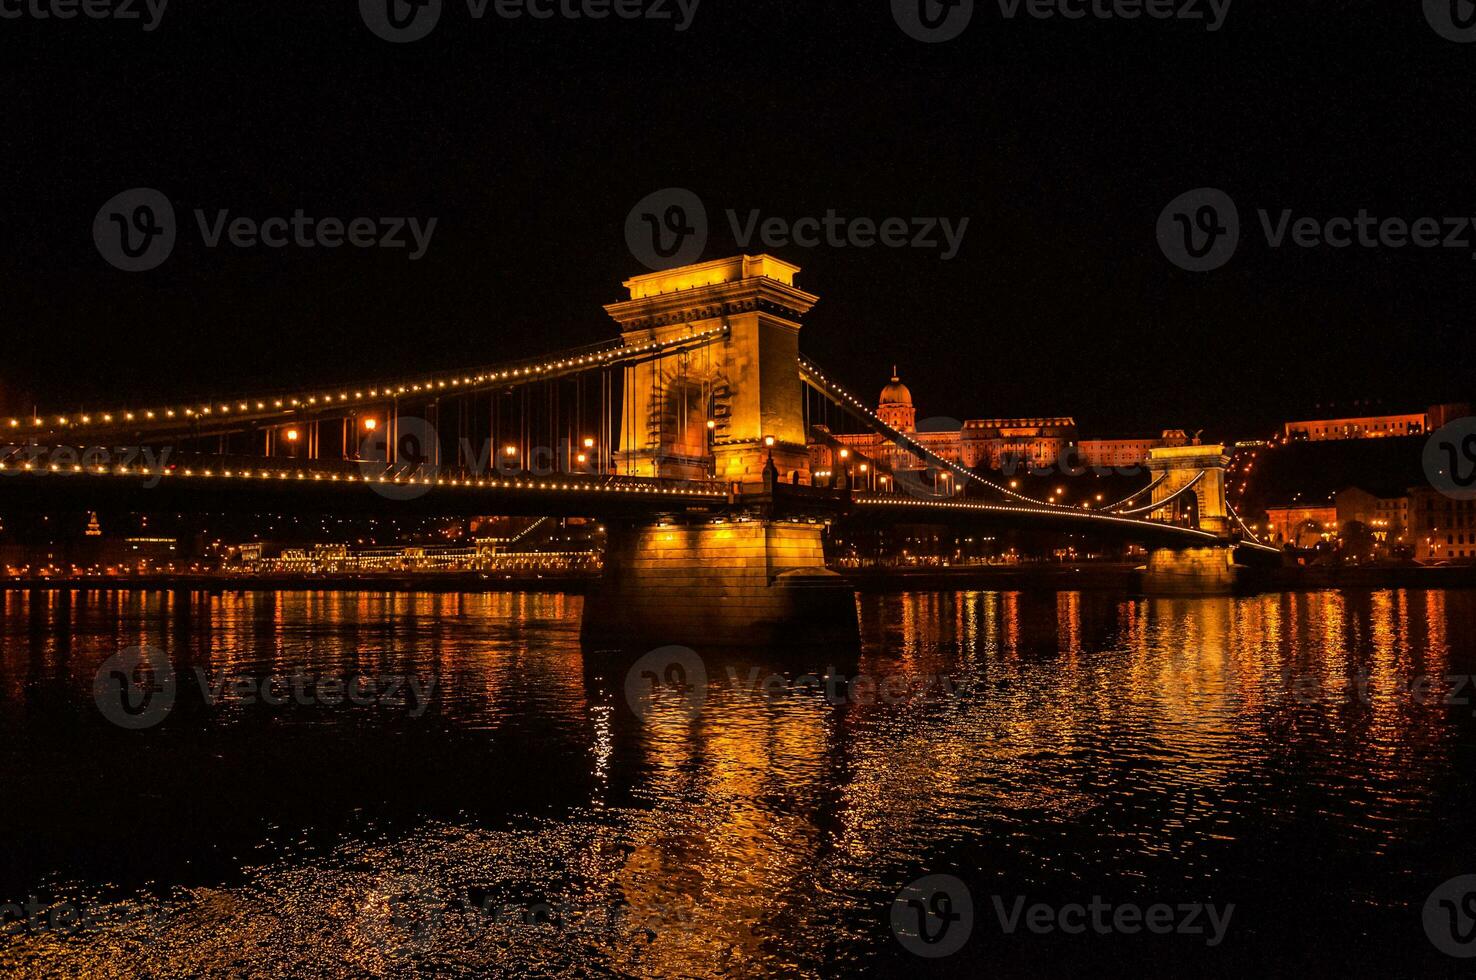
[
  {"x": 1196, "y": 470},
  {"x": 1196, "y": 473},
  {"x": 751, "y": 573},
  {"x": 750, "y": 390}
]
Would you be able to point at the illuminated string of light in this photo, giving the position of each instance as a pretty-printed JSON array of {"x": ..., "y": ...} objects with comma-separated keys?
[
  {"x": 1134, "y": 496},
  {"x": 1157, "y": 527},
  {"x": 1166, "y": 501},
  {"x": 357, "y": 395},
  {"x": 1245, "y": 530},
  {"x": 627, "y": 485}
]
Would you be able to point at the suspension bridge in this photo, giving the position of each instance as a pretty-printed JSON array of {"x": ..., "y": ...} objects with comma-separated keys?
[{"x": 688, "y": 434}]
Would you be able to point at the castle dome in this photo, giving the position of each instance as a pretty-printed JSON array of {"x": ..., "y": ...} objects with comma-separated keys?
[{"x": 896, "y": 393}]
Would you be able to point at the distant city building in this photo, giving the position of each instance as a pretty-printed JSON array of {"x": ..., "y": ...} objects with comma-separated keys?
[
  {"x": 1376, "y": 426},
  {"x": 998, "y": 444},
  {"x": 1111, "y": 453},
  {"x": 1441, "y": 527},
  {"x": 1302, "y": 525},
  {"x": 1387, "y": 518}
]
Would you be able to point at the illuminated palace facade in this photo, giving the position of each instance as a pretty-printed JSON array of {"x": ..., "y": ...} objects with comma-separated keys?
[{"x": 998, "y": 444}]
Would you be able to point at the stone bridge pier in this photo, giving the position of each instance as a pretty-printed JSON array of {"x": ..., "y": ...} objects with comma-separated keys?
[
  {"x": 1194, "y": 477},
  {"x": 752, "y": 573}
]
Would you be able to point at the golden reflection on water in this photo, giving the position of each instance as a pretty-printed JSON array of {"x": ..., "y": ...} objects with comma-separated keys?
[{"x": 1092, "y": 738}]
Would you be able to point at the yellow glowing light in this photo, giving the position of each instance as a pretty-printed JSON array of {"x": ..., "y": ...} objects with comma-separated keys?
[
  {"x": 371, "y": 424},
  {"x": 291, "y": 435}
]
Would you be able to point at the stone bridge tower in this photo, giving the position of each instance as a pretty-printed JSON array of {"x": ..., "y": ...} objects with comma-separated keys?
[
  {"x": 1209, "y": 569},
  {"x": 717, "y": 405},
  {"x": 753, "y": 572}
]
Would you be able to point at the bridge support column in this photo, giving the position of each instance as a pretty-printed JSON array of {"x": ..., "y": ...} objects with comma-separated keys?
[
  {"x": 747, "y": 583},
  {"x": 1190, "y": 571},
  {"x": 715, "y": 409},
  {"x": 1194, "y": 489}
]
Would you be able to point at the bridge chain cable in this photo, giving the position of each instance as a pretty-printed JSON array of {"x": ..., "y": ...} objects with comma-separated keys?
[
  {"x": 1134, "y": 496},
  {"x": 330, "y": 400},
  {"x": 1243, "y": 529},
  {"x": 817, "y": 379},
  {"x": 1166, "y": 501}
]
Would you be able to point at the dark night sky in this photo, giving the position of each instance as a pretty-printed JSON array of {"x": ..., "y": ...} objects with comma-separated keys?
[{"x": 531, "y": 141}]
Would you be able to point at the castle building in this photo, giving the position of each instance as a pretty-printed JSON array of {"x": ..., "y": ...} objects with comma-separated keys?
[
  {"x": 998, "y": 444},
  {"x": 1376, "y": 426}
]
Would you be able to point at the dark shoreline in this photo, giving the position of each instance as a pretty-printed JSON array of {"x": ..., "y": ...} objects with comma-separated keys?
[{"x": 1115, "y": 577}]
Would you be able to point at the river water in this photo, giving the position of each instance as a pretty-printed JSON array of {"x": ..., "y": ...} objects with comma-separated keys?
[{"x": 1276, "y": 784}]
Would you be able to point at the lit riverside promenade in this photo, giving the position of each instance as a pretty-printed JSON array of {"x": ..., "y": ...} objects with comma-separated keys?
[{"x": 715, "y": 523}]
